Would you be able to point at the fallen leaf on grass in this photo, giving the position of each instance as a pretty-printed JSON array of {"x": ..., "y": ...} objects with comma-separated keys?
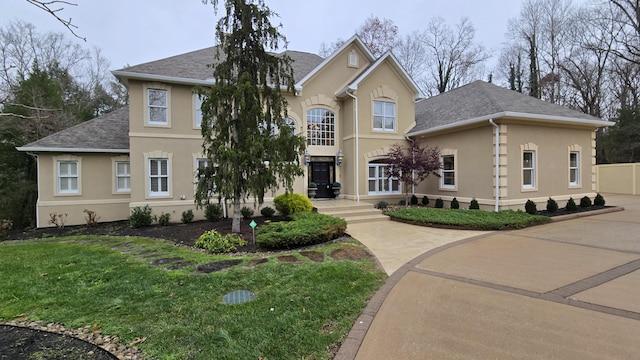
[{"x": 138, "y": 341}]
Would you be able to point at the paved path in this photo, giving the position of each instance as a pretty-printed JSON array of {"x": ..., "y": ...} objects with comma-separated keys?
[{"x": 566, "y": 290}]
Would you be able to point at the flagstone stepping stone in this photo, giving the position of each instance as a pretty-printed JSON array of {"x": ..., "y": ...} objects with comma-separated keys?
[
  {"x": 181, "y": 265},
  {"x": 288, "y": 259},
  {"x": 126, "y": 244},
  {"x": 256, "y": 262},
  {"x": 238, "y": 297},
  {"x": 216, "y": 266},
  {"x": 350, "y": 253},
  {"x": 165, "y": 261},
  {"x": 315, "y": 256}
]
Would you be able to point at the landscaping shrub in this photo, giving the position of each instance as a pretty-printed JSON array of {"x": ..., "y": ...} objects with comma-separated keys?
[
  {"x": 267, "y": 211},
  {"x": 530, "y": 207},
  {"x": 425, "y": 201},
  {"x": 246, "y": 212},
  {"x": 571, "y": 205},
  {"x": 414, "y": 200},
  {"x": 473, "y": 205},
  {"x": 402, "y": 202},
  {"x": 91, "y": 218},
  {"x": 289, "y": 204},
  {"x": 599, "y": 200},
  {"x": 382, "y": 205},
  {"x": 455, "y": 204},
  {"x": 140, "y": 216},
  {"x": 585, "y": 202},
  {"x": 552, "y": 205},
  {"x": 439, "y": 203},
  {"x": 187, "y": 216},
  {"x": 306, "y": 228},
  {"x": 213, "y": 212},
  {"x": 164, "y": 218},
  {"x": 218, "y": 243}
]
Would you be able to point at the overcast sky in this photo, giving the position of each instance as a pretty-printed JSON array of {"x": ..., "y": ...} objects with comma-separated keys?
[{"x": 136, "y": 31}]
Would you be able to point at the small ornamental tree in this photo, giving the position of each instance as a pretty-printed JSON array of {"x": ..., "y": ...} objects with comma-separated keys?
[{"x": 413, "y": 164}]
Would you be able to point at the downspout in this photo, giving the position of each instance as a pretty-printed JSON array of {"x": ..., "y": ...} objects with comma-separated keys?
[
  {"x": 497, "y": 131},
  {"x": 355, "y": 100}
]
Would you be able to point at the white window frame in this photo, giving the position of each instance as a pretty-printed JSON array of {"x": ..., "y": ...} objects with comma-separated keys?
[
  {"x": 126, "y": 176},
  {"x": 380, "y": 177},
  {"x": 167, "y": 111},
  {"x": 159, "y": 176},
  {"x": 574, "y": 169},
  {"x": 68, "y": 177},
  {"x": 385, "y": 118},
  {"x": 353, "y": 59},
  {"x": 444, "y": 172},
  {"x": 197, "y": 111},
  {"x": 531, "y": 169},
  {"x": 319, "y": 134}
]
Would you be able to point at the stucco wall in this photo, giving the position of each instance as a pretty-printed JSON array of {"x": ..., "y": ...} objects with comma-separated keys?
[{"x": 618, "y": 178}]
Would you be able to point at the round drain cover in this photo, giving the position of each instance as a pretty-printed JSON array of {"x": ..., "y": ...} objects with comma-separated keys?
[{"x": 238, "y": 297}]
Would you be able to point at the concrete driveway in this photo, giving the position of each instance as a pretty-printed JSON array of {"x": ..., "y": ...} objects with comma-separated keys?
[{"x": 565, "y": 290}]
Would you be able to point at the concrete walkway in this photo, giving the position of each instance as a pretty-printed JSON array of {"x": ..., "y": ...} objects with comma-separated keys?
[{"x": 565, "y": 290}]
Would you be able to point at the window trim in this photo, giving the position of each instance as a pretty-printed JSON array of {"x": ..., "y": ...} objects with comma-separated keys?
[
  {"x": 158, "y": 155},
  {"x": 577, "y": 183},
  {"x": 117, "y": 189},
  {"x": 378, "y": 178},
  {"x": 57, "y": 160},
  {"x": 197, "y": 111},
  {"x": 532, "y": 169},
  {"x": 323, "y": 140},
  {"x": 147, "y": 110},
  {"x": 384, "y": 116},
  {"x": 75, "y": 176},
  {"x": 454, "y": 154}
]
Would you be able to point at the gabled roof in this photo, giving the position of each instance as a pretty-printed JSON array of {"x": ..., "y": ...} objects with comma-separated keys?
[
  {"x": 480, "y": 101},
  {"x": 108, "y": 133},
  {"x": 192, "y": 67},
  {"x": 394, "y": 63}
]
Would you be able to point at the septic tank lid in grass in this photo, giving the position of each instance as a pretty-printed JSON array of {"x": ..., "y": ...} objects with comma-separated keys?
[{"x": 238, "y": 297}]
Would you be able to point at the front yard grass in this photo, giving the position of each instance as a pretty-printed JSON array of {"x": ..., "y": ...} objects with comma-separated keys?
[
  {"x": 301, "y": 310},
  {"x": 468, "y": 219}
]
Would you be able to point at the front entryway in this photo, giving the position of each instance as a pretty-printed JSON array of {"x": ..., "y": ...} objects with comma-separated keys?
[{"x": 323, "y": 174}]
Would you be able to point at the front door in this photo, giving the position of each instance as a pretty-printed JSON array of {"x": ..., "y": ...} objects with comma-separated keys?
[{"x": 321, "y": 174}]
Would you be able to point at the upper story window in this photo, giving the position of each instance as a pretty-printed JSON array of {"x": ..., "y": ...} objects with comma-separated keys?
[
  {"x": 528, "y": 169},
  {"x": 320, "y": 127},
  {"x": 197, "y": 110},
  {"x": 384, "y": 116},
  {"x": 157, "y": 106},
  {"x": 68, "y": 177},
  {"x": 123, "y": 176},
  {"x": 574, "y": 168}
]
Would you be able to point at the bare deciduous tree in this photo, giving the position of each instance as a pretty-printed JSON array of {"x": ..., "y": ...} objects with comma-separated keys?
[{"x": 54, "y": 7}]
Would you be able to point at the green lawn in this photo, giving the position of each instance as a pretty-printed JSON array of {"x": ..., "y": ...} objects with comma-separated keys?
[
  {"x": 469, "y": 219},
  {"x": 300, "y": 310}
]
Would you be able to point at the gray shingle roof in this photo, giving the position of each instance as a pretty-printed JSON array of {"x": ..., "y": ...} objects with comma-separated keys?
[
  {"x": 481, "y": 98},
  {"x": 193, "y": 65},
  {"x": 104, "y": 133}
]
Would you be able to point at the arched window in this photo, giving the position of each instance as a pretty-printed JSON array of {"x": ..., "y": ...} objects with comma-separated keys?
[{"x": 320, "y": 127}]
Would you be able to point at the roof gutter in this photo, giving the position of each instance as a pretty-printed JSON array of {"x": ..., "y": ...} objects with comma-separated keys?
[
  {"x": 355, "y": 100},
  {"x": 497, "y": 170},
  {"x": 34, "y": 149}
]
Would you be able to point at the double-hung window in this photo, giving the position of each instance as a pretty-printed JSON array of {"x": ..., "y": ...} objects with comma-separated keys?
[
  {"x": 574, "y": 168},
  {"x": 384, "y": 116},
  {"x": 197, "y": 111},
  {"x": 448, "y": 179},
  {"x": 379, "y": 180},
  {"x": 157, "y": 106},
  {"x": 158, "y": 177},
  {"x": 123, "y": 176},
  {"x": 528, "y": 169},
  {"x": 67, "y": 177}
]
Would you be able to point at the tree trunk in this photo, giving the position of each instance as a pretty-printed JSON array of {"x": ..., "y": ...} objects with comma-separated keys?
[{"x": 235, "y": 225}]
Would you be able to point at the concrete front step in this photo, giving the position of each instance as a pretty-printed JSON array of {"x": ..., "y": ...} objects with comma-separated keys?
[
  {"x": 366, "y": 218},
  {"x": 352, "y": 211}
]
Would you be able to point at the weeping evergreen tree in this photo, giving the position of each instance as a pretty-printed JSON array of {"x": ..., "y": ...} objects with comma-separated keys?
[{"x": 248, "y": 144}]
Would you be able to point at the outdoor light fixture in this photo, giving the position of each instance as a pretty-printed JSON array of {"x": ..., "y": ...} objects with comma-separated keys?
[
  {"x": 339, "y": 158},
  {"x": 307, "y": 157}
]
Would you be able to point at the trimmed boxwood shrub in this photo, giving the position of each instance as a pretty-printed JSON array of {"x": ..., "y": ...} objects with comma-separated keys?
[
  {"x": 571, "y": 205},
  {"x": 246, "y": 212},
  {"x": 530, "y": 207},
  {"x": 382, "y": 205},
  {"x": 439, "y": 203},
  {"x": 402, "y": 202},
  {"x": 585, "y": 202},
  {"x": 217, "y": 243},
  {"x": 552, "y": 205},
  {"x": 455, "y": 204},
  {"x": 306, "y": 228},
  {"x": 213, "y": 212},
  {"x": 414, "y": 200},
  {"x": 599, "y": 200},
  {"x": 267, "y": 211},
  {"x": 140, "y": 216},
  {"x": 425, "y": 201},
  {"x": 164, "y": 219},
  {"x": 289, "y": 204},
  {"x": 473, "y": 205},
  {"x": 187, "y": 216}
]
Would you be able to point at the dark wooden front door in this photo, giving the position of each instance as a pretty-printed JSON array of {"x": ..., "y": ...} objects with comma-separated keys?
[{"x": 321, "y": 174}]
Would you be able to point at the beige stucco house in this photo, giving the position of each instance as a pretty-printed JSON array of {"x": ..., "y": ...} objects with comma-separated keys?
[{"x": 352, "y": 107}]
